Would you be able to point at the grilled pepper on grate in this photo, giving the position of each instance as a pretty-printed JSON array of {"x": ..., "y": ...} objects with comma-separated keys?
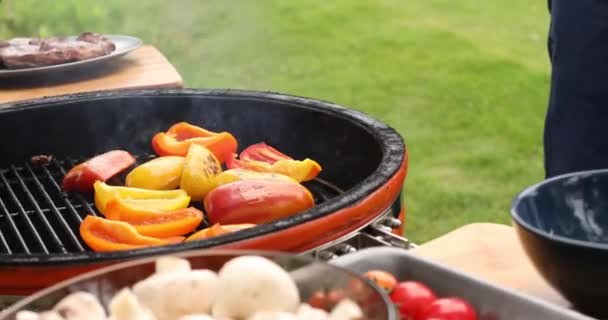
[
  {"x": 99, "y": 168},
  {"x": 154, "y": 199},
  {"x": 177, "y": 140},
  {"x": 162, "y": 173},
  {"x": 217, "y": 230},
  {"x": 153, "y": 222},
  {"x": 233, "y": 175},
  {"x": 256, "y": 201},
  {"x": 107, "y": 235},
  {"x": 200, "y": 170},
  {"x": 261, "y": 157}
]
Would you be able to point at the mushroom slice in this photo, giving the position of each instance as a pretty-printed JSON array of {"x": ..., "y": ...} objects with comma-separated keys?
[
  {"x": 172, "y": 264},
  {"x": 30, "y": 315},
  {"x": 306, "y": 312},
  {"x": 124, "y": 306},
  {"x": 250, "y": 284},
  {"x": 273, "y": 315},
  {"x": 197, "y": 317},
  {"x": 171, "y": 295},
  {"x": 346, "y": 310},
  {"x": 80, "y": 306}
]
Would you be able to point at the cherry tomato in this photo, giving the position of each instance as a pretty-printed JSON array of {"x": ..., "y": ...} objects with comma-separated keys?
[
  {"x": 411, "y": 298},
  {"x": 318, "y": 300},
  {"x": 449, "y": 309},
  {"x": 382, "y": 279},
  {"x": 326, "y": 300}
]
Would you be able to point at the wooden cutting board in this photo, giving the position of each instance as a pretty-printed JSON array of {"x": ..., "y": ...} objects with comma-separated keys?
[
  {"x": 145, "y": 67},
  {"x": 491, "y": 252}
]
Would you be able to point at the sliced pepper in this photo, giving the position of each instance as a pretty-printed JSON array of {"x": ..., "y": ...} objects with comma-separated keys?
[
  {"x": 99, "y": 168},
  {"x": 107, "y": 235},
  {"x": 256, "y": 201},
  {"x": 177, "y": 140},
  {"x": 162, "y": 173},
  {"x": 304, "y": 170},
  {"x": 155, "y": 223},
  {"x": 200, "y": 169},
  {"x": 264, "y": 153},
  {"x": 158, "y": 199},
  {"x": 217, "y": 230},
  {"x": 233, "y": 175}
]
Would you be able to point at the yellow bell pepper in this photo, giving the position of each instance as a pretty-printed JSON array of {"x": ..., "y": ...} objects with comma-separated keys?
[
  {"x": 162, "y": 173},
  {"x": 200, "y": 171},
  {"x": 233, "y": 175},
  {"x": 152, "y": 199}
]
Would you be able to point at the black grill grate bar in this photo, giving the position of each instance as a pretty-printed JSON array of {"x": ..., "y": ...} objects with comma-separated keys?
[
  {"x": 80, "y": 198},
  {"x": 38, "y": 211},
  {"x": 54, "y": 209},
  {"x": 60, "y": 208},
  {"x": 5, "y": 247},
  {"x": 26, "y": 217},
  {"x": 14, "y": 228},
  {"x": 68, "y": 204}
]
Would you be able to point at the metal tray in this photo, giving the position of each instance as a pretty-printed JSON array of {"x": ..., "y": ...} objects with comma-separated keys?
[{"x": 491, "y": 302}]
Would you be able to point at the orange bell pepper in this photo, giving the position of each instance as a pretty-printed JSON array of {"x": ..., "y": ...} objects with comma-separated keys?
[
  {"x": 106, "y": 235},
  {"x": 99, "y": 168},
  {"x": 304, "y": 170},
  {"x": 233, "y": 175},
  {"x": 217, "y": 230},
  {"x": 162, "y": 173},
  {"x": 155, "y": 223},
  {"x": 256, "y": 201},
  {"x": 156, "y": 199},
  {"x": 177, "y": 140}
]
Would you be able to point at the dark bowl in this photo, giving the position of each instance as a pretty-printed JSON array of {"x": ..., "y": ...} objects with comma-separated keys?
[{"x": 563, "y": 225}]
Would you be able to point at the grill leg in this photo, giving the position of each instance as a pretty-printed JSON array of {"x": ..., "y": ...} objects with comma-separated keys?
[{"x": 398, "y": 209}]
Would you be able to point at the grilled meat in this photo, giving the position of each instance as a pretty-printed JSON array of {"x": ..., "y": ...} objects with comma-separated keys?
[
  {"x": 41, "y": 160},
  {"x": 20, "y": 53}
]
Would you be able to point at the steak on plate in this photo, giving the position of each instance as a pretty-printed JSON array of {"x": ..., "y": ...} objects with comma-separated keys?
[{"x": 21, "y": 53}]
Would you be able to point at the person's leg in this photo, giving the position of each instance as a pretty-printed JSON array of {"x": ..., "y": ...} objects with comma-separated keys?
[{"x": 576, "y": 125}]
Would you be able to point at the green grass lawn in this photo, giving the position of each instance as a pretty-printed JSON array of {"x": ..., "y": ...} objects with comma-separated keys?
[{"x": 465, "y": 82}]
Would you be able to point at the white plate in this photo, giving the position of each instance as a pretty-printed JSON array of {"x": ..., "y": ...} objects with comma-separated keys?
[{"x": 124, "y": 45}]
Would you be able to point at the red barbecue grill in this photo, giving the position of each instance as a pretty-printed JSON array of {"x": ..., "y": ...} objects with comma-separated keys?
[{"x": 357, "y": 195}]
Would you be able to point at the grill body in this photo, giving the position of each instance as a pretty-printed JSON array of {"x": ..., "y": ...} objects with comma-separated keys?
[{"x": 364, "y": 159}]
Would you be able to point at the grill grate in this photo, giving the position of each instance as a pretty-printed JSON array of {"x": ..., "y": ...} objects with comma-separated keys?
[{"x": 36, "y": 217}]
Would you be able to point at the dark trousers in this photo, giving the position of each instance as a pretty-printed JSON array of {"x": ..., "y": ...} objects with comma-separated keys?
[{"x": 576, "y": 124}]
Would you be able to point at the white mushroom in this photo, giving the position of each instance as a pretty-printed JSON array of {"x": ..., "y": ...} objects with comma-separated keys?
[
  {"x": 197, "y": 317},
  {"x": 171, "y": 295},
  {"x": 346, "y": 310},
  {"x": 272, "y": 315},
  {"x": 250, "y": 284},
  {"x": 80, "y": 306},
  {"x": 306, "y": 312},
  {"x": 30, "y": 315},
  {"x": 124, "y": 306},
  {"x": 172, "y": 264}
]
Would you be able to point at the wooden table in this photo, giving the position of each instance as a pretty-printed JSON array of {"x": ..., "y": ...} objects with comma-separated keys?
[
  {"x": 145, "y": 67},
  {"x": 491, "y": 252}
]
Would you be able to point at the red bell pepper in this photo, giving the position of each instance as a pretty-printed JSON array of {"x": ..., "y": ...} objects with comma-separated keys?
[
  {"x": 256, "y": 201},
  {"x": 264, "y": 153},
  {"x": 177, "y": 140},
  {"x": 261, "y": 157},
  {"x": 101, "y": 167}
]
